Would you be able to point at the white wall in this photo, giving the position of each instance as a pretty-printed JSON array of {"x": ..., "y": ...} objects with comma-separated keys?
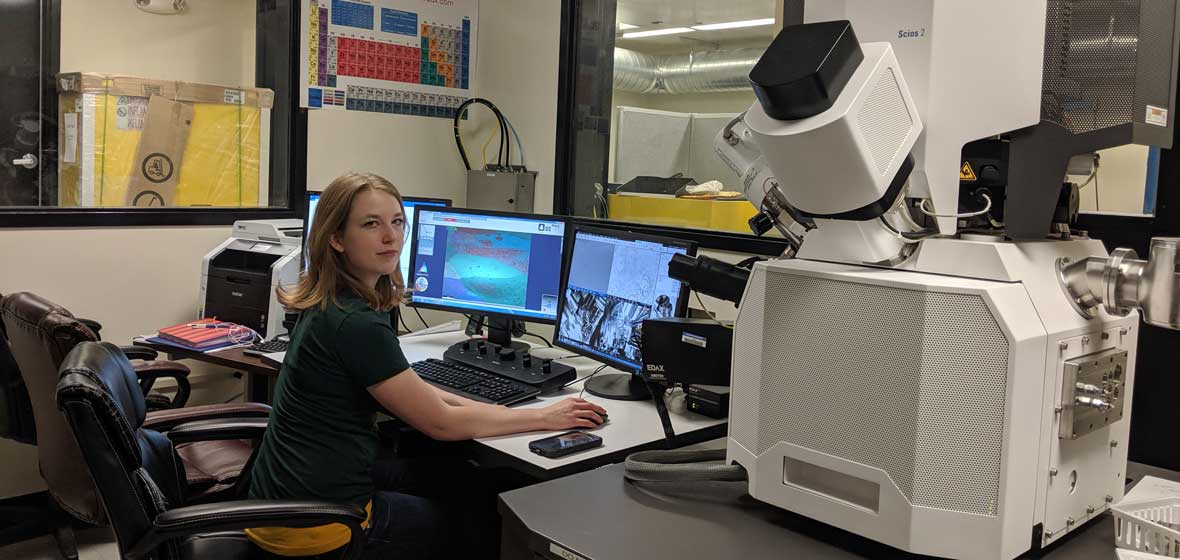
[
  {"x": 1120, "y": 183},
  {"x": 137, "y": 279},
  {"x": 412, "y": 152},
  {"x": 212, "y": 41},
  {"x": 517, "y": 70}
]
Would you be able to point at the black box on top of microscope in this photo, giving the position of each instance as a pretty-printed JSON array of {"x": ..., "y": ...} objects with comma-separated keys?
[{"x": 687, "y": 351}]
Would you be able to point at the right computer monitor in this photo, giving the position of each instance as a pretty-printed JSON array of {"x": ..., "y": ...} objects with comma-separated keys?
[{"x": 614, "y": 280}]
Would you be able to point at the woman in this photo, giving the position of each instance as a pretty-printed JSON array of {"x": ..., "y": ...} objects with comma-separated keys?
[{"x": 343, "y": 364}]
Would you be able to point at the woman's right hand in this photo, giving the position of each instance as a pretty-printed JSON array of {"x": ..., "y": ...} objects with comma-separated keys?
[{"x": 572, "y": 413}]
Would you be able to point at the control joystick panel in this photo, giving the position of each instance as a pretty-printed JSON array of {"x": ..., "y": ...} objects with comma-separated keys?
[{"x": 513, "y": 363}]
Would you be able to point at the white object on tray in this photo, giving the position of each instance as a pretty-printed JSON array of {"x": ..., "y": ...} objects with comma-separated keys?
[{"x": 1151, "y": 488}]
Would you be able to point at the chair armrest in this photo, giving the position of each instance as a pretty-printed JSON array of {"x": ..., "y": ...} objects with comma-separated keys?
[
  {"x": 156, "y": 401},
  {"x": 91, "y": 324},
  {"x": 149, "y": 372},
  {"x": 246, "y": 514},
  {"x": 139, "y": 352},
  {"x": 164, "y": 420},
  {"x": 214, "y": 430}
]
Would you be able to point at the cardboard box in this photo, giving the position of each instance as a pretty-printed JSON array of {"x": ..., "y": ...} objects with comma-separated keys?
[{"x": 127, "y": 141}]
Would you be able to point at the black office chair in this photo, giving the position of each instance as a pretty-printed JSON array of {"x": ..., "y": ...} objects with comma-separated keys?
[
  {"x": 19, "y": 521},
  {"x": 39, "y": 334},
  {"x": 140, "y": 479}
]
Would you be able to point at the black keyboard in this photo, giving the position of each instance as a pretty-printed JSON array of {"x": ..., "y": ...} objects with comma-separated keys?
[
  {"x": 269, "y": 346},
  {"x": 473, "y": 383}
]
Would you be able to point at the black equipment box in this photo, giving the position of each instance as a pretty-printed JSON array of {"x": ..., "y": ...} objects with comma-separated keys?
[
  {"x": 687, "y": 351},
  {"x": 709, "y": 400}
]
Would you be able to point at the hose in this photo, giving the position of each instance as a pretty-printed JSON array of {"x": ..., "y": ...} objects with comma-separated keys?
[
  {"x": 681, "y": 466},
  {"x": 505, "y": 151}
]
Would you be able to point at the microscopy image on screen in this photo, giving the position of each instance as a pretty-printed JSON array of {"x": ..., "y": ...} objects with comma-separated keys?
[
  {"x": 487, "y": 266},
  {"x": 607, "y": 323}
]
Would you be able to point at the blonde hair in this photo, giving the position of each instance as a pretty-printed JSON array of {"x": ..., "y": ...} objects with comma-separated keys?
[{"x": 326, "y": 273}]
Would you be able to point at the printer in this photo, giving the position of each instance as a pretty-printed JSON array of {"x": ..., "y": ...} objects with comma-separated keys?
[{"x": 239, "y": 277}]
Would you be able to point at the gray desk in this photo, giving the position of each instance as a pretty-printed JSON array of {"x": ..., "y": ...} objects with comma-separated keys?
[{"x": 596, "y": 515}]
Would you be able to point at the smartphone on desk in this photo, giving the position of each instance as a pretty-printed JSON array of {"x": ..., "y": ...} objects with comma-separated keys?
[{"x": 561, "y": 445}]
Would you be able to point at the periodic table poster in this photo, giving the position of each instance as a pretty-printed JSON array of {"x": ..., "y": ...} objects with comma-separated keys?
[{"x": 406, "y": 57}]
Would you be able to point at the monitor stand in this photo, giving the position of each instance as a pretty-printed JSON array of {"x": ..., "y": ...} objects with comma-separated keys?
[
  {"x": 500, "y": 333},
  {"x": 619, "y": 387}
]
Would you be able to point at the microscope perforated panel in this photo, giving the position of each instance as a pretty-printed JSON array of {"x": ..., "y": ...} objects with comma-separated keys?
[
  {"x": 1155, "y": 45},
  {"x": 1106, "y": 61},
  {"x": 885, "y": 121},
  {"x": 908, "y": 381},
  {"x": 743, "y": 391}
]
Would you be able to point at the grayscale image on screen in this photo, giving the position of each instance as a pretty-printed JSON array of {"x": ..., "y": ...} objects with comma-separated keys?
[{"x": 615, "y": 284}]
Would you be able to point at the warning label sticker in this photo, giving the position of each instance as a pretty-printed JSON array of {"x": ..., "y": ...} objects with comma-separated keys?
[
  {"x": 1157, "y": 116},
  {"x": 130, "y": 112},
  {"x": 966, "y": 173}
]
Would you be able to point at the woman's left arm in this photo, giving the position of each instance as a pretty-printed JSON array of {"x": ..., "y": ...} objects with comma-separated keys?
[{"x": 456, "y": 400}]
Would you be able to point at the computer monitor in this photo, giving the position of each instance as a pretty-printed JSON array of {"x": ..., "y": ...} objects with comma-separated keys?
[
  {"x": 613, "y": 281},
  {"x": 411, "y": 204},
  {"x": 313, "y": 200},
  {"x": 503, "y": 265}
]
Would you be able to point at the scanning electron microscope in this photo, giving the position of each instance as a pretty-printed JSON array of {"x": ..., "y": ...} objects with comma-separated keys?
[{"x": 944, "y": 365}]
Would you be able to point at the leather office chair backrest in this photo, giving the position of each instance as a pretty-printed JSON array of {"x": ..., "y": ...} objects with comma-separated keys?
[
  {"x": 40, "y": 334},
  {"x": 16, "y": 412},
  {"x": 139, "y": 475}
]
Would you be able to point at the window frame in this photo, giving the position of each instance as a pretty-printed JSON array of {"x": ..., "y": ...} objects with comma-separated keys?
[
  {"x": 276, "y": 67},
  {"x": 570, "y": 123}
]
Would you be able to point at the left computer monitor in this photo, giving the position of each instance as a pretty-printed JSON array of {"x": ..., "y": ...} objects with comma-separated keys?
[
  {"x": 409, "y": 203},
  {"x": 502, "y": 265},
  {"x": 313, "y": 200}
]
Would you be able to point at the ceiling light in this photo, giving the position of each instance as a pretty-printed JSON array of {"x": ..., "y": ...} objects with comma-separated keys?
[
  {"x": 656, "y": 32},
  {"x": 626, "y": 26},
  {"x": 734, "y": 24}
]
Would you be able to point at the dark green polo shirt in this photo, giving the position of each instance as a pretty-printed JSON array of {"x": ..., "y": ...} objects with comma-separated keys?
[{"x": 321, "y": 440}]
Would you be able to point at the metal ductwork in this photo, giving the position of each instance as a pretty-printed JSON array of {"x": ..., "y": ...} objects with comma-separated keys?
[
  {"x": 694, "y": 72},
  {"x": 636, "y": 72}
]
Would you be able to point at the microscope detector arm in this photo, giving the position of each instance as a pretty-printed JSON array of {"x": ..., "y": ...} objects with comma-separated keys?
[{"x": 736, "y": 147}]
